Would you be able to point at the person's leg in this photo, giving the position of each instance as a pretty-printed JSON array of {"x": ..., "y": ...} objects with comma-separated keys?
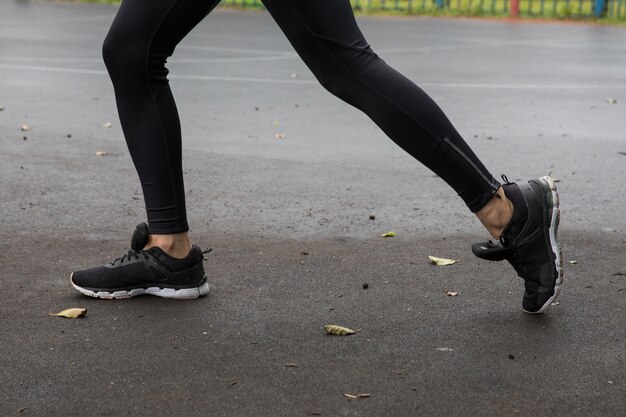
[
  {"x": 326, "y": 36},
  {"x": 141, "y": 38},
  {"x": 162, "y": 261},
  {"x": 524, "y": 218}
]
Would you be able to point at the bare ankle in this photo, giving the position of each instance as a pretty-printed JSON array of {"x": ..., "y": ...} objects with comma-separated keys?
[
  {"x": 496, "y": 215},
  {"x": 176, "y": 245}
]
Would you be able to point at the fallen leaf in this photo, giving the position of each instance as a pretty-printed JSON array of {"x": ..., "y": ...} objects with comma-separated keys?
[
  {"x": 389, "y": 234},
  {"x": 442, "y": 261},
  {"x": 71, "y": 313},
  {"x": 102, "y": 153},
  {"x": 106, "y": 124},
  {"x": 573, "y": 262},
  {"x": 611, "y": 100},
  {"x": 357, "y": 396},
  {"x": 338, "y": 330},
  {"x": 291, "y": 365},
  {"x": 445, "y": 349},
  {"x": 556, "y": 303},
  {"x": 451, "y": 293},
  {"x": 279, "y": 135},
  {"x": 25, "y": 128}
]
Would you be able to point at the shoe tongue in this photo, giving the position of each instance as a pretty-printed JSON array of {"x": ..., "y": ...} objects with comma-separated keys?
[
  {"x": 140, "y": 237},
  {"x": 520, "y": 214}
]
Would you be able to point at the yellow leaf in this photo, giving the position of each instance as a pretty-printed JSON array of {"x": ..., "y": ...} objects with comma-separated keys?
[
  {"x": 338, "y": 330},
  {"x": 356, "y": 397},
  {"x": 71, "y": 313},
  {"x": 389, "y": 234},
  {"x": 442, "y": 261}
]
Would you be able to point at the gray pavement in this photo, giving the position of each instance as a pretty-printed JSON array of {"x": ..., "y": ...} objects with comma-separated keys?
[{"x": 529, "y": 97}]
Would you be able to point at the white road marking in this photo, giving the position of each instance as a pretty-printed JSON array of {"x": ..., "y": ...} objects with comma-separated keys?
[{"x": 449, "y": 85}]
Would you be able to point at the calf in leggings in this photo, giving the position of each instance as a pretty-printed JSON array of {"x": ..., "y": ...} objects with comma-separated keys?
[{"x": 522, "y": 218}]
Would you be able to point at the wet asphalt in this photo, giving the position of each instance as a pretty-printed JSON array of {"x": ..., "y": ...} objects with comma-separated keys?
[{"x": 289, "y": 221}]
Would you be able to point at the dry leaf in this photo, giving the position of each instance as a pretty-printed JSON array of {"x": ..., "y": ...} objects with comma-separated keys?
[
  {"x": 101, "y": 153},
  {"x": 25, "y": 128},
  {"x": 450, "y": 293},
  {"x": 279, "y": 135},
  {"x": 338, "y": 330},
  {"x": 573, "y": 262},
  {"x": 291, "y": 365},
  {"x": 389, "y": 234},
  {"x": 357, "y": 396},
  {"x": 106, "y": 124},
  {"x": 442, "y": 261},
  {"x": 611, "y": 100},
  {"x": 71, "y": 313}
]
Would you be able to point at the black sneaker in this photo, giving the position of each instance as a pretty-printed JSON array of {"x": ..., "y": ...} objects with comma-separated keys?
[
  {"x": 529, "y": 242},
  {"x": 150, "y": 271}
]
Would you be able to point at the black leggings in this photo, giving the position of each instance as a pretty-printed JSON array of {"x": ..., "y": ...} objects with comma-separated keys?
[{"x": 325, "y": 35}]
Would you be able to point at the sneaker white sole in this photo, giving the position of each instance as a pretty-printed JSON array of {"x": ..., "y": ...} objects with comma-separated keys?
[
  {"x": 555, "y": 217},
  {"x": 181, "y": 294}
]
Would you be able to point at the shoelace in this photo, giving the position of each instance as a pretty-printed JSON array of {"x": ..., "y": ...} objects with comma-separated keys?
[{"x": 126, "y": 257}]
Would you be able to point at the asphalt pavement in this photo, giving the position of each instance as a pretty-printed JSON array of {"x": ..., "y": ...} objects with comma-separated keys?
[{"x": 283, "y": 181}]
